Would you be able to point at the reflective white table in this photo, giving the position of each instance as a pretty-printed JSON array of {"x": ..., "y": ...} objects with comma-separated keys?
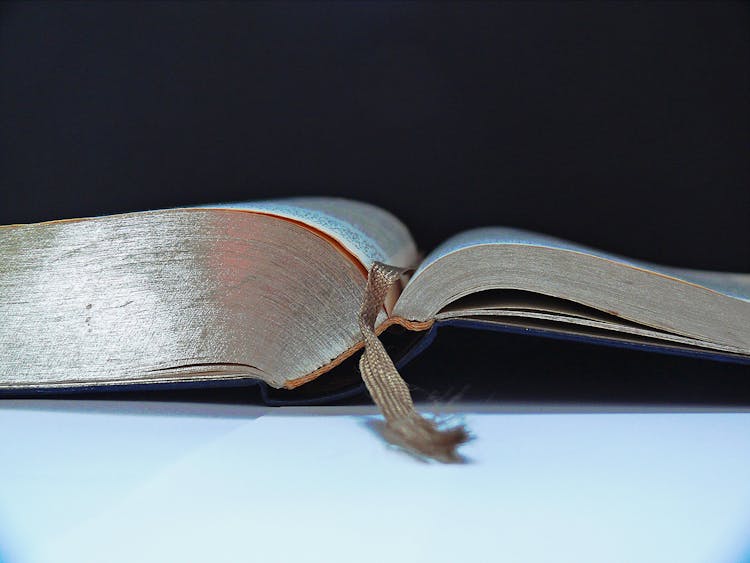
[{"x": 94, "y": 481}]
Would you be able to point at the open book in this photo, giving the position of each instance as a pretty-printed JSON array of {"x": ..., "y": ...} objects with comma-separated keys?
[{"x": 271, "y": 291}]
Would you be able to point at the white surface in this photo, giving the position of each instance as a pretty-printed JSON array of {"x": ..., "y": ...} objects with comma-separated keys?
[{"x": 98, "y": 481}]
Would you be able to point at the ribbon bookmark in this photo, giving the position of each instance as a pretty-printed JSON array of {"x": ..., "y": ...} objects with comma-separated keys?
[{"x": 404, "y": 426}]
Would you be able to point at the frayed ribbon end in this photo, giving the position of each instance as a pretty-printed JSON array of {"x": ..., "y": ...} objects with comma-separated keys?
[{"x": 426, "y": 438}]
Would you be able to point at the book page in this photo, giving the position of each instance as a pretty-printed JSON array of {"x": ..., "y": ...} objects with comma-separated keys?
[
  {"x": 266, "y": 290},
  {"x": 712, "y": 307},
  {"x": 369, "y": 232},
  {"x": 735, "y": 285}
]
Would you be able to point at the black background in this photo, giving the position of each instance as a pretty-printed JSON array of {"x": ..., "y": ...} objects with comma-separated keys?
[{"x": 625, "y": 126}]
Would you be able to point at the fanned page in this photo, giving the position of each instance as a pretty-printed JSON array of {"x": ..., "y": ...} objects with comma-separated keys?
[
  {"x": 729, "y": 283},
  {"x": 267, "y": 290},
  {"x": 510, "y": 276}
]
